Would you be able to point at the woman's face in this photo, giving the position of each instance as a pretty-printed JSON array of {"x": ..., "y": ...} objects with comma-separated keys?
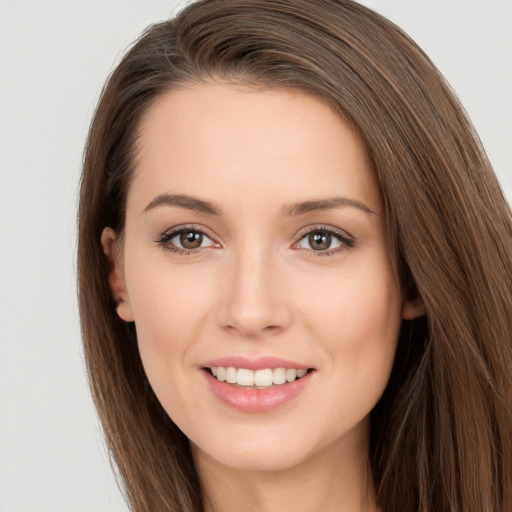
[{"x": 255, "y": 250}]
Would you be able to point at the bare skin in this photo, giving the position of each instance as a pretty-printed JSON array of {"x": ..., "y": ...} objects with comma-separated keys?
[
  {"x": 321, "y": 484},
  {"x": 254, "y": 228}
]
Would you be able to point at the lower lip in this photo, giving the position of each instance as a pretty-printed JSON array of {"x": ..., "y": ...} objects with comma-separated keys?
[{"x": 256, "y": 400}]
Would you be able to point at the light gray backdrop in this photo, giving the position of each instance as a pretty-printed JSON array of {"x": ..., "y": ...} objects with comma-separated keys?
[{"x": 54, "y": 58}]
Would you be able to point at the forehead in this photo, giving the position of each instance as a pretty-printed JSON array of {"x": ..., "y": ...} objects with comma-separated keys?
[{"x": 233, "y": 141}]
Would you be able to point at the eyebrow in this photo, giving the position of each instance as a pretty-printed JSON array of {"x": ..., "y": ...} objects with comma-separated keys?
[
  {"x": 184, "y": 201},
  {"x": 331, "y": 203},
  {"x": 296, "y": 209}
]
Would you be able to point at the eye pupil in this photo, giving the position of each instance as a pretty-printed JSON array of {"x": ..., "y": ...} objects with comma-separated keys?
[
  {"x": 320, "y": 240},
  {"x": 191, "y": 239}
]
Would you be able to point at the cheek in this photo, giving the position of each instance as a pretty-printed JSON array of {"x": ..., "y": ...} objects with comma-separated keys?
[
  {"x": 356, "y": 320},
  {"x": 168, "y": 304},
  {"x": 363, "y": 307}
]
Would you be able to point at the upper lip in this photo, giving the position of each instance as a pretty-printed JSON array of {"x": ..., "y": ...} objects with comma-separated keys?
[{"x": 259, "y": 363}]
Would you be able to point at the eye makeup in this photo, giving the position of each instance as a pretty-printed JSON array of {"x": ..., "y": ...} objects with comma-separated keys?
[
  {"x": 186, "y": 240},
  {"x": 324, "y": 241},
  {"x": 315, "y": 240}
]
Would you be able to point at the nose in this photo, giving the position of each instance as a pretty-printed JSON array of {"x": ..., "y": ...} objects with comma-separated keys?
[{"x": 253, "y": 300}]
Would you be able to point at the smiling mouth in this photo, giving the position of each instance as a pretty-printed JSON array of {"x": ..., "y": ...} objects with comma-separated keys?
[{"x": 256, "y": 379}]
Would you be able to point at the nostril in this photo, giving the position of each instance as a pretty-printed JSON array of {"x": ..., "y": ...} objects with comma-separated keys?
[{"x": 272, "y": 328}]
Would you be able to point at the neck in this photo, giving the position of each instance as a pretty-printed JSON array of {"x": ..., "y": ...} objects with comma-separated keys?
[{"x": 337, "y": 479}]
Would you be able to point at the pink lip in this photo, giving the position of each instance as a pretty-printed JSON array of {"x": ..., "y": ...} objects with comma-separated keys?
[
  {"x": 254, "y": 364},
  {"x": 256, "y": 400}
]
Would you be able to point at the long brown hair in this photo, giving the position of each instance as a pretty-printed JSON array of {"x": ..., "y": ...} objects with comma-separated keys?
[{"x": 441, "y": 436}]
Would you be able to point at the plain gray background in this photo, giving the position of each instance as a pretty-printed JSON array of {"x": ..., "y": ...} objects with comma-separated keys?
[{"x": 54, "y": 58}]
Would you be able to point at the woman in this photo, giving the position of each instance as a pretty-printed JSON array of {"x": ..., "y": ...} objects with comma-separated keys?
[{"x": 294, "y": 270}]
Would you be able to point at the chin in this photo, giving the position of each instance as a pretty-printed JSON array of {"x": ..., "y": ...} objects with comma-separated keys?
[{"x": 273, "y": 455}]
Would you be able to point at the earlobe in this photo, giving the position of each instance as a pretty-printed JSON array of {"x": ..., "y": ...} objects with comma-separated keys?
[
  {"x": 116, "y": 280},
  {"x": 413, "y": 308}
]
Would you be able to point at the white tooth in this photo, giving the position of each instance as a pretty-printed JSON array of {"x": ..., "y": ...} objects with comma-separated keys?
[
  {"x": 301, "y": 373},
  {"x": 214, "y": 371},
  {"x": 245, "y": 377},
  {"x": 231, "y": 375},
  {"x": 291, "y": 374},
  {"x": 221, "y": 373},
  {"x": 263, "y": 378},
  {"x": 279, "y": 376}
]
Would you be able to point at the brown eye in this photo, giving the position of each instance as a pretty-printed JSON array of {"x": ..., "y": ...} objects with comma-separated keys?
[
  {"x": 191, "y": 239},
  {"x": 320, "y": 240},
  {"x": 186, "y": 240},
  {"x": 325, "y": 241}
]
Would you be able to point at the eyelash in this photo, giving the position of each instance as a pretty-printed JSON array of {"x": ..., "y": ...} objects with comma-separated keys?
[
  {"x": 166, "y": 237},
  {"x": 346, "y": 240}
]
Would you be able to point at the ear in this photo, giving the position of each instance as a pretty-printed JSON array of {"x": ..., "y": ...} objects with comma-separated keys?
[
  {"x": 413, "y": 308},
  {"x": 116, "y": 281}
]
